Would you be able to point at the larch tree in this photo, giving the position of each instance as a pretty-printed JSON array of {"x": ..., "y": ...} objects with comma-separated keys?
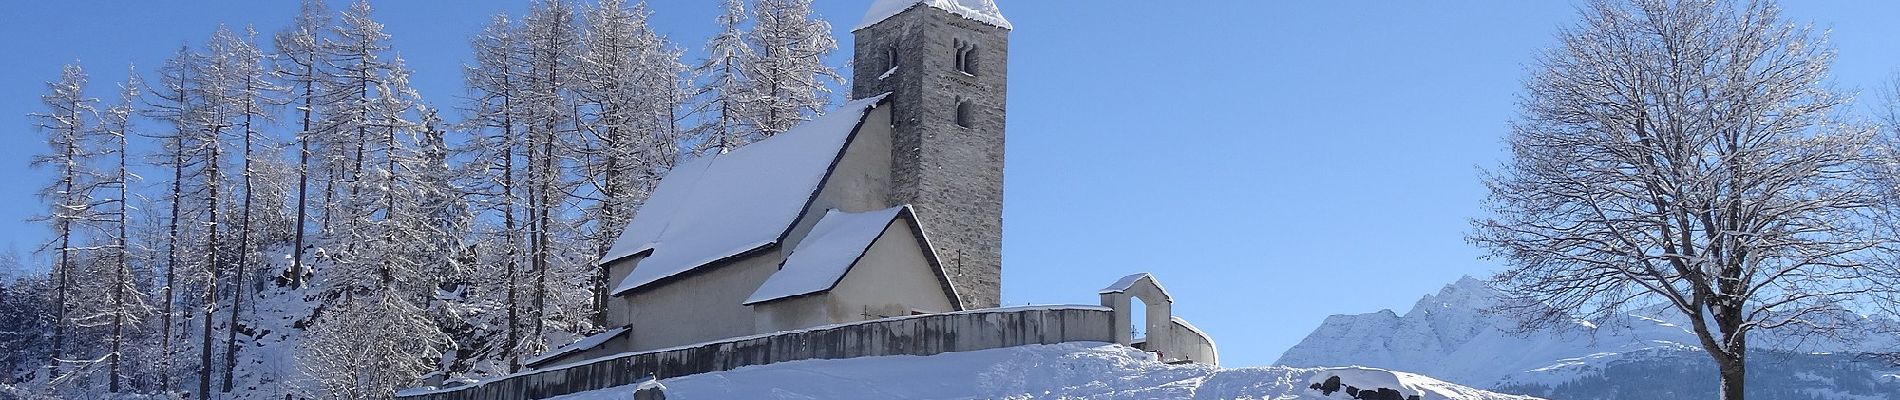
[
  {"x": 299, "y": 63},
  {"x": 128, "y": 307},
  {"x": 789, "y": 81},
  {"x": 221, "y": 72},
  {"x": 247, "y": 90},
  {"x": 495, "y": 121},
  {"x": 722, "y": 90},
  {"x": 66, "y": 123},
  {"x": 551, "y": 49},
  {"x": 172, "y": 102},
  {"x": 631, "y": 91},
  {"x": 358, "y": 45},
  {"x": 1685, "y": 153}
]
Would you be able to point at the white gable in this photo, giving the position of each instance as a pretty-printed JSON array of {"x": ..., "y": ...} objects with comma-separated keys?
[
  {"x": 719, "y": 206},
  {"x": 824, "y": 256},
  {"x": 984, "y": 11}
]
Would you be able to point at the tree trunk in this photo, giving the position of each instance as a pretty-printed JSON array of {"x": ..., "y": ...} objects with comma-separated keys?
[
  {"x": 64, "y": 268},
  {"x": 118, "y": 286},
  {"x": 211, "y": 265},
  {"x": 1732, "y": 377},
  {"x": 243, "y": 258},
  {"x": 171, "y": 261},
  {"x": 303, "y": 177}
]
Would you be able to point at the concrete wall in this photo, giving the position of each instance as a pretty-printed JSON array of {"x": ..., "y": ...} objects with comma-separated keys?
[
  {"x": 915, "y": 335},
  {"x": 1187, "y": 344},
  {"x": 704, "y": 306},
  {"x": 952, "y": 174}
]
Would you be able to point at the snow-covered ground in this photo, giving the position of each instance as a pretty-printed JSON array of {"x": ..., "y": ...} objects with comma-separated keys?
[{"x": 1065, "y": 371}]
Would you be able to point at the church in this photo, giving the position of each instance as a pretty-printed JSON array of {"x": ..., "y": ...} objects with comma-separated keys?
[
  {"x": 873, "y": 230},
  {"x": 889, "y": 205}
]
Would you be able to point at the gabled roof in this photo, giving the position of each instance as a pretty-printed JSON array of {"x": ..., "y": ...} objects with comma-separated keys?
[
  {"x": 984, "y": 11},
  {"x": 721, "y": 206},
  {"x": 834, "y": 246},
  {"x": 1129, "y": 282}
]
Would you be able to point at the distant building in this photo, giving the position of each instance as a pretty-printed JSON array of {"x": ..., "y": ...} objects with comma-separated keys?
[{"x": 890, "y": 205}]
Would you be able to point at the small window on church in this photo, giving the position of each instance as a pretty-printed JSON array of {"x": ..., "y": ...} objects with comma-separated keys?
[
  {"x": 890, "y": 57},
  {"x": 964, "y": 111}
]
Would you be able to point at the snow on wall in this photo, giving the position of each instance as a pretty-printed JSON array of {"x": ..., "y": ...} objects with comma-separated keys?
[
  {"x": 719, "y": 206},
  {"x": 825, "y": 254},
  {"x": 576, "y": 347},
  {"x": 984, "y": 11}
]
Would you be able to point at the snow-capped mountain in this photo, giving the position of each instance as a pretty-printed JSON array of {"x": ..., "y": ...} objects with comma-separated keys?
[
  {"x": 1057, "y": 371},
  {"x": 1452, "y": 335}
]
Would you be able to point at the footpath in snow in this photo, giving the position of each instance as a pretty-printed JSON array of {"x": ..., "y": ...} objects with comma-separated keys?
[{"x": 1067, "y": 371}]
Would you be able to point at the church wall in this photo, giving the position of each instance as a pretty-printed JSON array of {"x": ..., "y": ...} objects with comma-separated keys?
[
  {"x": 701, "y": 307},
  {"x": 618, "y": 313},
  {"x": 862, "y": 179},
  {"x": 892, "y": 279},
  {"x": 792, "y": 313}
]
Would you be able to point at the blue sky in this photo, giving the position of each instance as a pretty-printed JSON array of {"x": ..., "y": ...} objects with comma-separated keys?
[{"x": 1271, "y": 162}]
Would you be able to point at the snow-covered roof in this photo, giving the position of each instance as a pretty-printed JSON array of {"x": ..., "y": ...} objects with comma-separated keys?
[
  {"x": 1127, "y": 282},
  {"x": 823, "y": 257},
  {"x": 720, "y": 206},
  {"x": 984, "y": 11}
]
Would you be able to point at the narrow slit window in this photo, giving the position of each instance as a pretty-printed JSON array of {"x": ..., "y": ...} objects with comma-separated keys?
[
  {"x": 964, "y": 111},
  {"x": 890, "y": 57}
]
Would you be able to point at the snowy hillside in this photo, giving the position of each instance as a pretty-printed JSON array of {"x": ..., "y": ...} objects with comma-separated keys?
[
  {"x": 1449, "y": 335},
  {"x": 1072, "y": 370}
]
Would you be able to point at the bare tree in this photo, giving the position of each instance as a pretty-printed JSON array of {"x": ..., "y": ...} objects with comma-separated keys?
[
  {"x": 128, "y": 307},
  {"x": 1684, "y": 152},
  {"x": 300, "y": 57},
  {"x": 788, "y": 79},
  {"x": 66, "y": 123}
]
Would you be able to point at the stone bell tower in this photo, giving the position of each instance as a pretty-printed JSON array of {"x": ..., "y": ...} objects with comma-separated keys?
[{"x": 945, "y": 63}]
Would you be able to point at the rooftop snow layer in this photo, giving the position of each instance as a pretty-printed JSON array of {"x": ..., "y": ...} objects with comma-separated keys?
[
  {"x": 984, "y": 11},
  {"x": 719, "y": 206},
  {"x": 1127, "y": 282},
  {"x": 825, "y": 254}
]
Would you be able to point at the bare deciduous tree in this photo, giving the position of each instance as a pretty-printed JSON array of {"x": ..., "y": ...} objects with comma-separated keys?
[{"x": 1686, "y": 152}]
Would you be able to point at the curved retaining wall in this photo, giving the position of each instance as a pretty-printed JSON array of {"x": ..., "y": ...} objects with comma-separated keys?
[{"x": 912, "y": 335}]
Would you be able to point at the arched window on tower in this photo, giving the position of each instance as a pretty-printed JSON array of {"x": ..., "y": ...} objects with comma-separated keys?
[
  {"x": 965, "y": 57},
  {"x": 964, "y": 113}
]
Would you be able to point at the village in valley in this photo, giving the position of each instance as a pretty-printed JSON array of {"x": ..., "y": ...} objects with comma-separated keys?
[{"x": 812, "y": 205}]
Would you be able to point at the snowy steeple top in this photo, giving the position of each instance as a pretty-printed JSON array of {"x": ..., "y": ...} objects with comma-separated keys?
[{"x": 984, "y": 11}]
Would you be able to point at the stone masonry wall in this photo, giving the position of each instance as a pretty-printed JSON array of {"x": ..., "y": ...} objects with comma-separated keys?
[{"x": 952, "y": 174}]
